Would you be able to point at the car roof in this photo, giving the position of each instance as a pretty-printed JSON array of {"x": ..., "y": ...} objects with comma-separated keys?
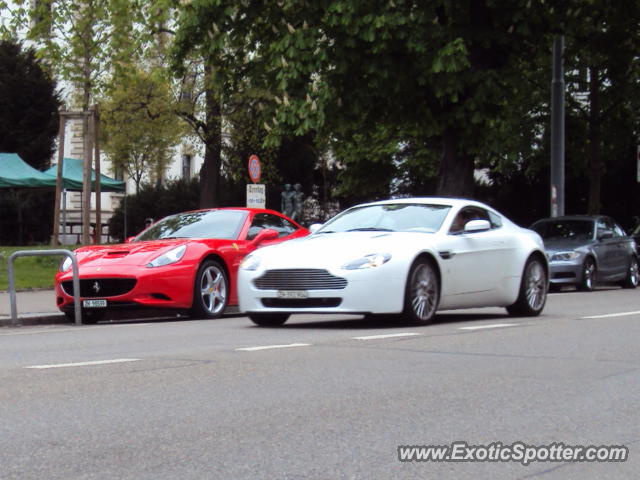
[
  {"x": 454, "y": 202},
  {"x": 591, "y": 218}
]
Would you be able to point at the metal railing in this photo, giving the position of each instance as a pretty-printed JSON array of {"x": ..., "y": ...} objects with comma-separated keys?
[{"x": 44, "y": 253}]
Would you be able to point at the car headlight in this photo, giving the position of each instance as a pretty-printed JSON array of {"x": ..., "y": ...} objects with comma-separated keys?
[
  {"x": 368, "y": 261},
  {"x": 172, "y": 256},
  {"x": 66, "y": 264},
  {"x": 564, "y": 256},
  {"x": 250, "y": 262}
]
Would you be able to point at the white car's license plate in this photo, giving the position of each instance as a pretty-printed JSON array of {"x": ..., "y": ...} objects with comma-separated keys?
[
  {"x": 101, "y": 303},
  {"x": 293, "y": 294}
]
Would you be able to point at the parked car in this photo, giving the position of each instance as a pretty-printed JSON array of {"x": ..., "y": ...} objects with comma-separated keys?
[
  {"x": 409, "y": 256},
  {"x": 584, "y": 250},
  {"x": 188, "y": 261}
]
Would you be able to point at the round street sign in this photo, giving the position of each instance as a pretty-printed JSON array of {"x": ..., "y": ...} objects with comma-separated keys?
[{"x": 255, "y": 170}]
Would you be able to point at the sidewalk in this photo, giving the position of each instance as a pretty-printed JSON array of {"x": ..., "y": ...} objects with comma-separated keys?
[{"x": 33, "y": 308}]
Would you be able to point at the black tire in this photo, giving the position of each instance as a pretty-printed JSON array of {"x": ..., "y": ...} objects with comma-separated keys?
[
  {"x": 210, "y": 291},
  {"x": 632, "y": 274},
  {"x": 589, "y": 273},
  {"x": 533, "y": 290},
  {"x": 422, "y": 292},
  {"x": 87, "y": 317},
  {"x": 269, "y": 319}
]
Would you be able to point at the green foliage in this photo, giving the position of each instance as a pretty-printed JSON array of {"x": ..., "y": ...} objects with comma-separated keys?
[
  {"x": 139, "y": 125},
  {"x": 153, "y": 202},
  {"x": 29, "y": 106},
  {"x": 26, "y": 216}
]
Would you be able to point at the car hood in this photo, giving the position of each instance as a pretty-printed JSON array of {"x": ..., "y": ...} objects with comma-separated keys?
[
  {"x": 126, "y": 254},
  {"x": 336, "y": 249},
  {"x": 565, "y": 245}
]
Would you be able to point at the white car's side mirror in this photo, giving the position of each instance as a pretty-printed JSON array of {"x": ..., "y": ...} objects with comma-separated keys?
[
  {"x": 477, "y": 226},
  {"x": 315, "y": 227}
]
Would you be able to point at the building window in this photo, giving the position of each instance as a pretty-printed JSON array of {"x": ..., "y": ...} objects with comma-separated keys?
[{"x": 186, "y": 166}]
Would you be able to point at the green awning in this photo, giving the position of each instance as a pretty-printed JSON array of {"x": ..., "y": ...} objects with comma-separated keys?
[
  {"x": 16, "y": 173},
  {"x": 72, "y": 177}
]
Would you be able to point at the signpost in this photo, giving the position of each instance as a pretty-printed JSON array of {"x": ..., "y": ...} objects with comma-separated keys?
[
  {"x": 638, "y": 163},
  {"x": 256, "y": 193}
]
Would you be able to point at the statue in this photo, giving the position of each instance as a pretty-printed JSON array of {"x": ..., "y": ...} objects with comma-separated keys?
[
  {"x": 286, "y": 205},
  {"x": 298, "y": 202}
]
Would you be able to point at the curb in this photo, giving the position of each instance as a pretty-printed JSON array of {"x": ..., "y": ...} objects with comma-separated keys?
[{"x": 30, "y": 319}]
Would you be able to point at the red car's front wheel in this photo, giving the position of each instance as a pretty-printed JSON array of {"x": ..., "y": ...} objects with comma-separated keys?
[{"x": 211, "y": 291}]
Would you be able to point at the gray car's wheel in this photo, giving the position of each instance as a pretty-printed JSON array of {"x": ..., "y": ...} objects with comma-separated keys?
[
  {"x": 422, "y": 293},
  {"x": 589, "y": 272},
  {"x": 633, "y": 277},
  {"x": 269, "y": 319},
  {"x": 533, "y": 290},
  {"x": 210, "y": 291}
]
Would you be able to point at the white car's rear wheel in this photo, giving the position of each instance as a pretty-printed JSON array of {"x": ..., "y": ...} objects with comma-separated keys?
[
  {"x": 533, "y": 290},
  {"x": 422, "y": 293}
]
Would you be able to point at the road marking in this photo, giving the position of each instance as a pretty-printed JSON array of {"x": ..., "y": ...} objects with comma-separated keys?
[
  {"x": 390, "y": 335},
  {"x": 611, "y": 315},
  {"x": 84, "y": 364},
  {"x": 268, "y": 347},
  {"x": 495, "y": 325},
  {"x": 83, "y": 329}
]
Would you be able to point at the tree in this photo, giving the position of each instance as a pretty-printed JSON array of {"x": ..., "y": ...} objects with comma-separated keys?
[
  {"x": 139, "y": 125},
  {"x": 29, "y": 104},
  {"x": 436, "y": 75}
]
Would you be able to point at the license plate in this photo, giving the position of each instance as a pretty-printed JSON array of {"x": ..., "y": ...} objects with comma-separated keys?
[
  {"x": 293, "y": 294},
  {"x": 102, "y": 303}
]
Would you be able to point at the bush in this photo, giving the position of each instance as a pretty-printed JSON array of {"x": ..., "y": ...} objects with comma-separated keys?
[{"x": 26, "y": 216}]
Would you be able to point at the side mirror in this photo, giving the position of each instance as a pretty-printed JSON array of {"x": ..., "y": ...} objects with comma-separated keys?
[
  {"x": 477, "y": 226},
  {"x": 604, "y": 234},
  {"x": 264, "y": 235},
  {"x": 315, "y": 227},
  {"x": 129, "y": 239}
]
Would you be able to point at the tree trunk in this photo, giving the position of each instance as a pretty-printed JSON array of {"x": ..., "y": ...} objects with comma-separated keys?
[
  {"x": 455, "y": 177},
  {"x": 210, "y": 171},
  {"x": 594, "y": 153}
]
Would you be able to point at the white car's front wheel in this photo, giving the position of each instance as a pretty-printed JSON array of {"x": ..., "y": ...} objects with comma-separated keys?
[
  {"x": 422, "y": 293},
  {"x": 533, "y": 290}
]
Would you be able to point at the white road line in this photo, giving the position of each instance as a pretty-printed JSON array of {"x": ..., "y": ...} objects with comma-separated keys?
[
  {"x": 390, "y": 335},
  {"x": 83, "y": 329},
  {"x": 268, "y": 347},
  {"x": 84, "y": 364},
  {"x": 611, "y": 315},
  {"x": 495, "y": 325}
]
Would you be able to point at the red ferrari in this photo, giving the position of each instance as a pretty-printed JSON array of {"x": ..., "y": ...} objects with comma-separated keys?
[{"x": 188, "y": 261}]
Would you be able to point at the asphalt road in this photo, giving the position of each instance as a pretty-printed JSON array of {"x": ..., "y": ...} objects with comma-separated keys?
[{"x": 197, "y": 399}]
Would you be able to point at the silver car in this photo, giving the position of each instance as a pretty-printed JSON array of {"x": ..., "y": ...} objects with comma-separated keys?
[{"x": 587, "y": 249}]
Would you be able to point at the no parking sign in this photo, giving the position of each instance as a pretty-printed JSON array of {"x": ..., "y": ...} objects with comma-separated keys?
[{"x": 255, "y": 169}]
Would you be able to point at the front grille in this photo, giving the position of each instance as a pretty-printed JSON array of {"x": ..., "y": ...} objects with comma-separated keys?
[
  {"x": 101, "y": 287},
  {"x": 564, "y": 275},
  {"x": 301, "y": 302},
  {"x": 299, "y": 279}
]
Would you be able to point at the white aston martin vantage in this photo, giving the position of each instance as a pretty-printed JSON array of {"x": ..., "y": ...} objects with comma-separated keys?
[{"x": 411, "y": 256}]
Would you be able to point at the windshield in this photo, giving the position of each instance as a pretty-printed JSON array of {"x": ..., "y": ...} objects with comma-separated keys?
[
  {"x": 397, "y": 217},
  {"x": 224, "y": 224},
  {"x": 565, "y": 230}
]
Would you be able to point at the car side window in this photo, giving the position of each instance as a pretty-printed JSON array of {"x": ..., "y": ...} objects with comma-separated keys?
[
  {"x": 466, "y": 215},
  {"x": 618, "y": 231},
  {"x": 267, "y": 220},
  {"x": 496, "y": 220}
]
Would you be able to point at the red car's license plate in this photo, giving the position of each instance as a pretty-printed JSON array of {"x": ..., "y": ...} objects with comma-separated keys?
[{"x": 99, "y": 303}]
